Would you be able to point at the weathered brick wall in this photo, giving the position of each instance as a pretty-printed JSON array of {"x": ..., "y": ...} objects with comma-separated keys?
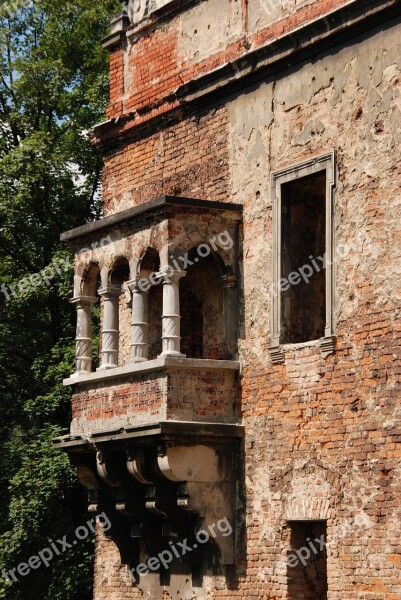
[
  {"x": 322, "y": 435},
  {"x": 341, "y": 414},
  {"x": 103, "y": 407},
  {"x": 116, "y": 82},
  {"x": 111, "y": 579},
  {"x": 151, "y": 166}
]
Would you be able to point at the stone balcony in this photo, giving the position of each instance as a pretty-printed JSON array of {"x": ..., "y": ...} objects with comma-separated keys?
[
  {"x": 155, "y": 434},
  {"x": 156, "y": 445},
  {"x": 167, "y": 285}
]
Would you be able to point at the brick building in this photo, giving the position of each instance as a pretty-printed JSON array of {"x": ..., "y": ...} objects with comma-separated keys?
[{"x": 248, "y": 274}]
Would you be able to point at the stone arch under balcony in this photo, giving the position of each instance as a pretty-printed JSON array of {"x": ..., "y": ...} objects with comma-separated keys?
[{"x": 219, "y": 235}]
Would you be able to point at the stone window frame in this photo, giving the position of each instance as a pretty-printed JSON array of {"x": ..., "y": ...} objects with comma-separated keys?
[{"x": 324, "y": 162}]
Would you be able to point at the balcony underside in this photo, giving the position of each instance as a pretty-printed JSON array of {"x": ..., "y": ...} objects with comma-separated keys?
[{"x": 159, "y": 481}]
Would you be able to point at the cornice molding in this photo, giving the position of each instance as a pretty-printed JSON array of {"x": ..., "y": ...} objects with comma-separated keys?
[{"x": 340, "y": 25}]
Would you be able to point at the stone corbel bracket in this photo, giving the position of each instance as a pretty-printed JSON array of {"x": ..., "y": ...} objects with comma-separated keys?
[
  {"x": 88, "y": 479},
  {"x": 207, "y": 487},
  {"x": 327, "y": 345},
  {"x": 107, "y": 469}
]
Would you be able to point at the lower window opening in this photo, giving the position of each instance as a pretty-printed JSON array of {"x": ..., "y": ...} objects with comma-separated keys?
[{"x": 307, "y": 561}]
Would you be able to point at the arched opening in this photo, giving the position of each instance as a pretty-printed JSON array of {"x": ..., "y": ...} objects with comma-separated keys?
[
  {"x": 201, "y": 302},
  {"x": 118, "y": 277},
  {"x": 90, "y": 281},
  {"x": 88, "y": 320},
  {"x": 119, "y": 272},
  {"x": 150, "y": 264}
]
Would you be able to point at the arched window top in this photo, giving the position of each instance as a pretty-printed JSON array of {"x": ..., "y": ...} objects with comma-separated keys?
[
  {"x": 119, "y": 271},
  {"x": 149, "y": 262},
  {"x": 90, "y": 280}
]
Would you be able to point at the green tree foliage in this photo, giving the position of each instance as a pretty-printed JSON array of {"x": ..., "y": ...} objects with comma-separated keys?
[{"x": 53, "y": 88}]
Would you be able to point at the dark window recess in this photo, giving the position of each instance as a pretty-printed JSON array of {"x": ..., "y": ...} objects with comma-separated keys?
[
  {"x": 191, "y": 325},
  {"x": 307, "y": 570},
  {"x": 201, "y": 304},
  {"x": 155, "y": 320},
  {"x": 303, "y": 241},
  {"x": 151, "y": 264}
]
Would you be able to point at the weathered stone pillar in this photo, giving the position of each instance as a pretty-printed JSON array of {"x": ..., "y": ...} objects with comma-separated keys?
[
  {"x": 229, "y": 285},
  {"x": 83, "y": 338},
  {"x": 171, "y": 335},
  {"x": 110, "y": 330},
  {"x": 140, "y": 323}
]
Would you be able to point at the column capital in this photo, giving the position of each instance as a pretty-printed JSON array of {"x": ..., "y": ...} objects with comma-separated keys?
[
  {"x": 84, "y": 300},
  {"x": 134, "y": 287},
  {"x": 110, "y": 290},
  {"x": 170, "y": 276}
]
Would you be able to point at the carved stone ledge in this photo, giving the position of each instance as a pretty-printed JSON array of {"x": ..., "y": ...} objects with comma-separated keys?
[
  {"x": 118, "y": 27},
  {"x": 163, "y": 362},
  {"x": 144, "y": 13}
]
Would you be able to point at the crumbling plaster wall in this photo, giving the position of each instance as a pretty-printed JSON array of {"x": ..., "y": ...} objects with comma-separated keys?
[
  {"x": 341, "y": 413},
  {"x": 265, "y": 12},
  {"x": 208, "y": 27},
  {"x": 350, "y": 102}
]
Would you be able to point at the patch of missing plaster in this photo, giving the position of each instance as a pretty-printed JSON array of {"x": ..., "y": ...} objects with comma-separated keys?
[{"x": 312, "y": 131}]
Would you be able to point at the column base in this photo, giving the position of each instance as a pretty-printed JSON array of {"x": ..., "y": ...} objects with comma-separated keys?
[
  {"x": 78, "y": 374},
  {"x": 106, "y": 367},
  {"x": 171, "y": 353},
  {"x": 134, "y": 361}
]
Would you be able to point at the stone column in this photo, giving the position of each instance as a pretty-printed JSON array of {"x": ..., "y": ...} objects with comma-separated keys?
[
  {"x": 110, "y": 330},
  {"x": 83, "y": 350},
  {"x": 140, "y": 323},
  {"x": 171, "y": 335}
]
